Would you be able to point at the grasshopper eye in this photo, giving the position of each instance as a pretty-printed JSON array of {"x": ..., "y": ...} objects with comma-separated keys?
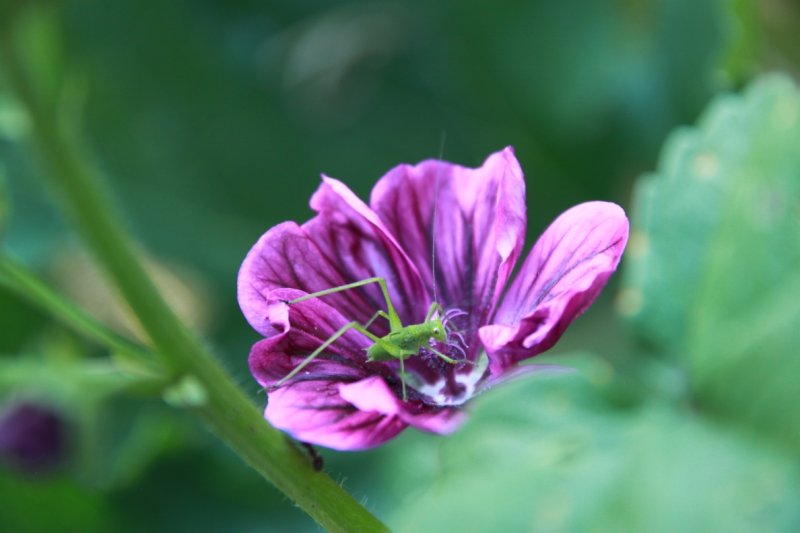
[{"x": 435, "y": 331}]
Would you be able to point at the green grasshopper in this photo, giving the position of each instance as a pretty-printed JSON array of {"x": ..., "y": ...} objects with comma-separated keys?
[{"x": 400, "y": 343}]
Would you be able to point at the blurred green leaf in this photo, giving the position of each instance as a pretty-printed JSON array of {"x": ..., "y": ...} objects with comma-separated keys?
[
  {"x": 51, "y": 505},
  {"x": 62, "y": 377},
  {"x": 38, "y": 35},
  {"x": 745, "y": 43},
  {"x": 13, "y": 120},
  {"x": 533, "y": 458},
  {"x": 21, "y": 322},
  {"x": 4, "y": 201},
  {"x": 714, "y": 261}
]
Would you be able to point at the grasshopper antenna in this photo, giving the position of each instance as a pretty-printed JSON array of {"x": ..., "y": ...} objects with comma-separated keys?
[{"x": 435, "y": 212}]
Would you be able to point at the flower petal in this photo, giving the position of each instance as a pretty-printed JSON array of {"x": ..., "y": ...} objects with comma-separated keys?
[
  {"x": 286, "y": 257},
  {"x": 372, "y": 394},
  {"x": 561, "y": 277},
  {"x": 350, "y": 235},
  {"x": 309, "y": 405},
  {"x": 472, "y": 221},
  {"x": 315, "y": 412},
  {"x": 301, "y": 328}
]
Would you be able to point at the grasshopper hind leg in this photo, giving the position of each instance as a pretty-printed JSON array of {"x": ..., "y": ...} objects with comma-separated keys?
[{"x": 313, "y": 355}]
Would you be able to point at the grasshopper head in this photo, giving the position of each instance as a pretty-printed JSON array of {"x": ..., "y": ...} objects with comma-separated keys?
[{"x": 437, "y": 330}]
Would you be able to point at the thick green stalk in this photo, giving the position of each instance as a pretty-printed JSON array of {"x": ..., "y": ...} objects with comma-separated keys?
[{"x": 227, "y": 411}]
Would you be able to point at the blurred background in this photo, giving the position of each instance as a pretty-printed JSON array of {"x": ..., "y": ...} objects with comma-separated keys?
[{"x": 212, "y": 122}]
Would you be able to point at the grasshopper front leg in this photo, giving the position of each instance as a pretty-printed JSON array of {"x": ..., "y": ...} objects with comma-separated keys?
[
  {"x": 377, "y": 314},
  {"x": 448, "y": 359}
]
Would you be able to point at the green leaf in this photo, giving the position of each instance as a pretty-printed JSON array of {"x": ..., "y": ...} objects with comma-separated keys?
[
  {"x": 25, "y": 283},
  {"x": 713, "y": 269},
  {"x": 13, "y": 121},
  {"x": 51, "y": 505},
  {"x": 4, "y": 201},
  {"x": 65, "y": 377},
  {"x": 533, "y": 458},
  {"x": 744, "y": 43}
]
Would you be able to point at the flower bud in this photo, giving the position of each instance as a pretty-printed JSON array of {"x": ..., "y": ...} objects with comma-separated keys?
[{"x": 33, "y": 438}]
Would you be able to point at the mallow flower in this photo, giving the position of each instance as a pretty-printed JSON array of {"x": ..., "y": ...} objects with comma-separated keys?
[{"x": 434, "y": 231}]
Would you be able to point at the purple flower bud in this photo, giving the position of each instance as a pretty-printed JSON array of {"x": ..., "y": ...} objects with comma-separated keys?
[{"x": 32, "y": 438}]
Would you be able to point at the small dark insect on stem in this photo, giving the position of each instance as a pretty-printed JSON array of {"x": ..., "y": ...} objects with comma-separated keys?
[{"x": 317, "y": 460}]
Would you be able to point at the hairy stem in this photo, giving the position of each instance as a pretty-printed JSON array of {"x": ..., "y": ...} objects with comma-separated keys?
[{"x": 227, "y": 411}]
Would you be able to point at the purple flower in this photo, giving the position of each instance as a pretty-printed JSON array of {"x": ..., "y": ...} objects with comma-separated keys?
[
  {"x": 436, "y": 232},
  {"x": 32, "y": 438}
]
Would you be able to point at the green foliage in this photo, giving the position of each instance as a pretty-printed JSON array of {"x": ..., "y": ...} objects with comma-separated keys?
[
  {"x": 741, "y": 61},
  {"x": 714, "y": 261},
  {"x": 545, "y": 455},
  {"x": 37, "y": 33},
  {"x": 712, "y": 279},
  {"x": 52, "y": 505},
  {"x": 4, "y": 201},
  {"x": 214, "y": 121}
]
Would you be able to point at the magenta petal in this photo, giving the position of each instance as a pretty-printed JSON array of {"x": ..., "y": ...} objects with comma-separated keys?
[
  {"x": 300, "y": 329},
  {"x": 471, "y": 220},
  {"x": 315, "y": 412},
  {"x": 309, "y": 405},
  {"x": 372, "y": 394},
  {"x": 286, "y": 257},
  {"x": 561, "y": 277},
  {"x": 350, "y": 235}
]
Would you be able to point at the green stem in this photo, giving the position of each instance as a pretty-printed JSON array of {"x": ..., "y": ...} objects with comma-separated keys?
[
  {"x": 23, "y": 282},
  {"x": 228, "y": 412}
]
